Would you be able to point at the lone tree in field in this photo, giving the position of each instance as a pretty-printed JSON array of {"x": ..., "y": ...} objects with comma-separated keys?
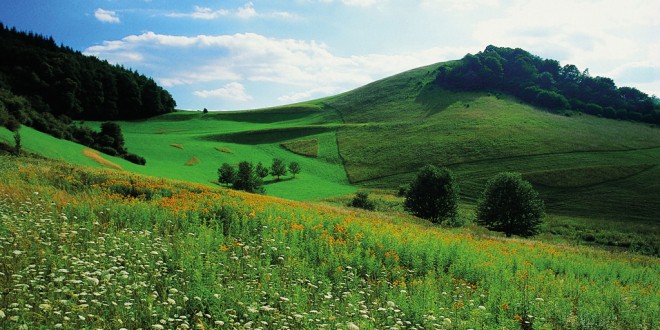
[
  {"x": 226, "y": 174},
  {"x": 433, "y": 195},
  {"x": 510, "y": 204},
  {"x": 261, "y": 170},
  {"x": 247, "y": 179},
  {"x": 278, "y": 168},
  {"x": 294, "y": 168}
]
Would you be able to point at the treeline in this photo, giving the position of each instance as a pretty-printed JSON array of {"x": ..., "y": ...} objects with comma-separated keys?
[
  {"x": 543, "y": 82},
  {"x": 250, "y": 178},
  {"x": 47, "y": 87}
]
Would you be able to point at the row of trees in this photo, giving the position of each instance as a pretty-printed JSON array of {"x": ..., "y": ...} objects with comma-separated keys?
[
  {"x": 545, "y": 83},
  {"x": 508, "y": 203},
  {"x": 250, "y": 178}
]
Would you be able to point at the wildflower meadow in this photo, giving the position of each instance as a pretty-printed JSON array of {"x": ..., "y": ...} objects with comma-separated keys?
[{"x": 86, "y": 248}]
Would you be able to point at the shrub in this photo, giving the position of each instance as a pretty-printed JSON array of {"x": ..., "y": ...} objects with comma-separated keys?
[
  {"x": 511, "y": 205},
  {"x": 361, "y": 201},
  {"x": 135, "y": 159},
  {"x": 433, "y": 195}
]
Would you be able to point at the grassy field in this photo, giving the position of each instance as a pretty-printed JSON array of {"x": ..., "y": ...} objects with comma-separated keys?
[
  {"x": 191, "y": 146},
  {"x": 599, "y": 178},
  {"x": 584, "y": 166},
  {"x": 91, "y": 248}
]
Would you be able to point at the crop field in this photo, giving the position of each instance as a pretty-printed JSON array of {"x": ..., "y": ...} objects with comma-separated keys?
[{"x": 94, "y": 248}]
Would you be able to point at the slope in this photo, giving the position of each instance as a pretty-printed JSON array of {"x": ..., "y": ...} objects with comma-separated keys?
[
  {"x": 396, "y": 125},
  {"x": 85, "y": 248},
  {"x": 191, "y": 146}
]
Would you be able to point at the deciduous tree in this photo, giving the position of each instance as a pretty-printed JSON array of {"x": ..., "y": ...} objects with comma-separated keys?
[{"x": 510, "y": 204}]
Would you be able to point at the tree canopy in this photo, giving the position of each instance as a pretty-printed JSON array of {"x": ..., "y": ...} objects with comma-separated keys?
[
  {"x": 511, "y": 205},
  {"x": 46, "y": 87},
  {"x": 543, "y": 82},
  {"x": 433, "y": 195}
]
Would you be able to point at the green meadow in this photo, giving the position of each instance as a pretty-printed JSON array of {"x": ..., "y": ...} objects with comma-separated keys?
[
  {"x": 99, "y": 248},
  {"x": 598, "y": 177}
]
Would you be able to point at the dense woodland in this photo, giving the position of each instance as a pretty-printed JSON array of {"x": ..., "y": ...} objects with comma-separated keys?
[
  {"x": 543, "y": 82},
  {"x": 47, "y": 87}
]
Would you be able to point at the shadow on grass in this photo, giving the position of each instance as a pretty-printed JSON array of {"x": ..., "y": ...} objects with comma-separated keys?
[{"x": 272, "y": 181}]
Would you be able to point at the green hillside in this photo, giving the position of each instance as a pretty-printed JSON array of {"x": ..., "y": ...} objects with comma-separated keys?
[
  {"x": 191, "y": 146},
  {"x": 583, "y": 165},
  {"x": 599, "y": 177}
]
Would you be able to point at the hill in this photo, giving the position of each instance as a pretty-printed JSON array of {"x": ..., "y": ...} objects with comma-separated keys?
[
  {"x": 395, "y": 126},
  {"x": 598, "y": 176},
  {"x": 109, "y": 249},
  {"x": 47, "y": 87}
]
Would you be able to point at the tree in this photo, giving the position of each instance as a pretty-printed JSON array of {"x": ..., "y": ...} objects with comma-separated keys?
[
  {"x": 247, "y": 179},
  {"x": 277, "y": 168},
  {"x": 511, "y": 205},
  {"x": 361, "y": 201},
  {"x": 433, "y": 195},
  {"x": 261, "y": 170},
  {"x": 226, "y": 174},
  {"x": 294, "y": 168}
]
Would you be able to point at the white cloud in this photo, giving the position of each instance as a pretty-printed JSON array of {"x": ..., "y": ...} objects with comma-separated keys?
[
  {"x": 459, "y": 5},
  {"x": 360, "y": 3},
  {"x": 201, "y": 13},
  {"x": 246, "y": 11},
  {"x": 591, "y": 34},
  {"x": 309, "y": 94},
  {"x": 106, "y": 16},
  {"x": 309, "y": 67},
  {"x": 232, "y": 91}
]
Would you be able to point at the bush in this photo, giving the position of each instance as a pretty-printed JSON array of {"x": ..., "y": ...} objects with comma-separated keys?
[
  {"x": 510, "y": 204},
  {"x": 361, "y": 201},
  {"x": 135, "y": 159},
  {"x": 433, "y": 195}
]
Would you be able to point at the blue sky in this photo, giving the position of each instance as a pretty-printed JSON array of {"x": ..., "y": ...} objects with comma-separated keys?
[{"x": 225, "y": 55}]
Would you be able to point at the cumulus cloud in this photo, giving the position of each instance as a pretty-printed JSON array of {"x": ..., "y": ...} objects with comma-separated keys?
[
  {"x": 310, "y": 68},
  {"x": 106, "y": 16},
  {"x": 233, "y": 91}
]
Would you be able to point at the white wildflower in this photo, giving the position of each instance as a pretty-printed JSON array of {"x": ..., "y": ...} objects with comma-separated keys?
[
  {"x": 481, "y": 307},
  {"x": 352, "y": 326}
]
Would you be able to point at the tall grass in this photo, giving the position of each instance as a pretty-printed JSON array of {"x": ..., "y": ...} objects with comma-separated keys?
[{"x": 100, "y": 249}]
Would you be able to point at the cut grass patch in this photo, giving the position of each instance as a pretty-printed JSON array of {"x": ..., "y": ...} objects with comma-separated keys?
[
  {"x": 192, "y": 161},
  {"x": 309, "y": 148},
  {"x": 176, "y": 145},
  {"x": 96, "y": 156},
  {"x": 224, "y": 149}
]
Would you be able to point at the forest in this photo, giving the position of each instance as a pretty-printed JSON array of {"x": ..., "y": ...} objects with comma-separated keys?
[
  {"x": 48, "y": 87},
  {"x": 543, "y": 82}
]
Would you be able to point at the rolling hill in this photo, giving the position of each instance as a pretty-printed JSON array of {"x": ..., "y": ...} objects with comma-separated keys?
[{"x": 593, "y": 172}]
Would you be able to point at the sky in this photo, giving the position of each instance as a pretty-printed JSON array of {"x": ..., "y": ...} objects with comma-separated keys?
[{"x": 231, "y": 55}]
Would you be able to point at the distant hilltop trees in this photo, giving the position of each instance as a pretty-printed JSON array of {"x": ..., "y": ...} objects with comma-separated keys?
[
  {"x": 47, "y": 87},
  {"x": 543, "y": 82},
  {"x": 63, "y": 82}
]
